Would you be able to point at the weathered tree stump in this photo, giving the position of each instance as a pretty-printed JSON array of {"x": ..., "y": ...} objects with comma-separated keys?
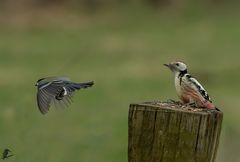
[{"x": 168, "y": 132}]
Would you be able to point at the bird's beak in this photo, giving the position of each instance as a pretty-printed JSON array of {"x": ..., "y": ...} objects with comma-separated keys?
[
  {"x": 167, "y": 65},
  {"x": 170, "y": 66}
]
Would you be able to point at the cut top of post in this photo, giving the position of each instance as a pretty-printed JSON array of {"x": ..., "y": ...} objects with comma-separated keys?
[
  {"x": 172, "y": 107},
  {"x": 172, "y": 132}
]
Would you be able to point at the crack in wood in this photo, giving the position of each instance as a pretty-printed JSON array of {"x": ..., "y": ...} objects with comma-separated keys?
[{"x": 198, "y": 132}]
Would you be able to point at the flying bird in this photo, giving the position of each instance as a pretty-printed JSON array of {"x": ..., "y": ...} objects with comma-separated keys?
[
  {"x": 5, "y": 154},
  {"x": 189, "y": 90},
  {"x": 57, "y": 91}
]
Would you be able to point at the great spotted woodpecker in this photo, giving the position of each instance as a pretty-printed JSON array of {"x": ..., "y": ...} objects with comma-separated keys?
[{"x": 189, "y": 90}]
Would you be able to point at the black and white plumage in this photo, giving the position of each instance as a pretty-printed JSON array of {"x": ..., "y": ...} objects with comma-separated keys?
[
  {"x": 57, "y": 91},
  {"x": 199, "y": 87},
  {"x": 188, "y": 88}
]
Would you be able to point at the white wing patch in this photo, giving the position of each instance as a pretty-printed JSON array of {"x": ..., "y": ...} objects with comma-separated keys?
[{"x": 65, "y": 91}]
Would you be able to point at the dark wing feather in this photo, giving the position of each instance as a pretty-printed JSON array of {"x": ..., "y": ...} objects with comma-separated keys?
[
  {"x": 65, "y": 102},
  {"x": 70, "y": 87},
  {"x": 46, "y": 94},
  {"x": 43, "y": 101},
  {"x": 77, "y": 86}
]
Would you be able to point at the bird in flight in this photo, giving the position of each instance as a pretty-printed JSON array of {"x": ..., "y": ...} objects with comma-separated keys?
[
  {"x": 57, "y": 91},
  {"x": 189, "y": 90},
  {"x": 5, "y": 154}
]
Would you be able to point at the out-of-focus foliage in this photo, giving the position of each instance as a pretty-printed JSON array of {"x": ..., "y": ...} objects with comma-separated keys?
[{"x": 101, "y": 3}]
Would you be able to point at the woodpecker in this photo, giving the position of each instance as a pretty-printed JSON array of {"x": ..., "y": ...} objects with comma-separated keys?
[
  {"x": 189, "y": 90},
  {"x": 57, "y": 90}
]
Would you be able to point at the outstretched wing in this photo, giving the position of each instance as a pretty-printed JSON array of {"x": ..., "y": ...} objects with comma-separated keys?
[
  {"x": 70, "y": 88},
  {"x": 46, "y": 93}
]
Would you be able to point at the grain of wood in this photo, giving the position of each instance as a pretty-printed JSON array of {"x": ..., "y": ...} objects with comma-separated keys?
[{"x": 167, "y": 132}]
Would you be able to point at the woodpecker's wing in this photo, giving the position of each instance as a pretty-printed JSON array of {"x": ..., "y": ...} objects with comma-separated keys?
[
  {"x": 46, "y": 93},
  {"x": 193, "y": 85}
]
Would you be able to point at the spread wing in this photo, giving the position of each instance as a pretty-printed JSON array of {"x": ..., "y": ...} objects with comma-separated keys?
[
  {"x": 65, "y": 101},
  {"x": 46, "y": 93},
  {"x": 69, "y": 89}
]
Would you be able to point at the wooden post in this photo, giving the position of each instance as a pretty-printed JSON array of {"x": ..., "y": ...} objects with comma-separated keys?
[{"x": 167, "y": 132}]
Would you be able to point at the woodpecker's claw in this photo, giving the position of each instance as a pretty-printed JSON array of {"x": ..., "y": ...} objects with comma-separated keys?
[
  {"x": 193, "y": 104},
  {"x": 174, "y": 102},
  {"x": 217, "y": 109}
]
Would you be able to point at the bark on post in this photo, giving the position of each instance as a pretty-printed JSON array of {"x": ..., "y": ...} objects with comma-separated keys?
[{"x": 167, "y": 132}]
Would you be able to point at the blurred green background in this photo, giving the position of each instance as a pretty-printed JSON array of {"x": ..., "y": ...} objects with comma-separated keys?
[{"x": 121, "y": 45}]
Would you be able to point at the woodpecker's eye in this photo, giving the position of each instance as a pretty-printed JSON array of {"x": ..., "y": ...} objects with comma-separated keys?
[{"x": 177, "y": 64}]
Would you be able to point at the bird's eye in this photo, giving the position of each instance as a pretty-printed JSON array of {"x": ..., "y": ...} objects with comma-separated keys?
[{"x": 177, "y": 64}]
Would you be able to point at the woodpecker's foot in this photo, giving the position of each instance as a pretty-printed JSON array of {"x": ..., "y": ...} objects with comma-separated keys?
[
  {"x": 211, "y": 110},
  {"x": 193, "y": 104},
  {"x": 174, "y": 102},
  {"x": 217, "y": 109}
]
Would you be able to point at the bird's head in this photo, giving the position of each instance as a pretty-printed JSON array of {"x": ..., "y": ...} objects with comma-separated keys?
[
  {"x": 38, "y": 81},
  {"x": 177, "y": 67}
]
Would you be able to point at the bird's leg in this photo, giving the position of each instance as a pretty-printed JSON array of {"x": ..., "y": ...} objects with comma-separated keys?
[
  {"x": 191, "y": 104},
  {"x": 217, "y": 109},
  {"x": 173, "y": 101},
  {"x": 210, "y": 110}
]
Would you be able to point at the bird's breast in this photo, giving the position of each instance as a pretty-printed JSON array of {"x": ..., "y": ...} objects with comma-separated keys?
[{"x": 178, "y": 85}]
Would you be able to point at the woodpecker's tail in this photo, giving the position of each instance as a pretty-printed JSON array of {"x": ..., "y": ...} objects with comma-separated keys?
[
  {"x": 209, "y": 105},
  {"x": 82, "y": 85}
]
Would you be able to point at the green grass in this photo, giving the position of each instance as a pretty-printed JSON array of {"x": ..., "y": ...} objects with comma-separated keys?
[{"x": 123, "y": 53}]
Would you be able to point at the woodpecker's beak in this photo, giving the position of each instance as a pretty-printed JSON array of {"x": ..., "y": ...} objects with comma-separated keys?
[
  {"x": 170, "y": 66},
  {"x": 167, "y": 65}
]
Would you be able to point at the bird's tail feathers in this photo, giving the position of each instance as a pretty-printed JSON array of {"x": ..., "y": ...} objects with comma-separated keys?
[
  {"x": 209, "y": 105},
  {"x": 83, "y": 85}
]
